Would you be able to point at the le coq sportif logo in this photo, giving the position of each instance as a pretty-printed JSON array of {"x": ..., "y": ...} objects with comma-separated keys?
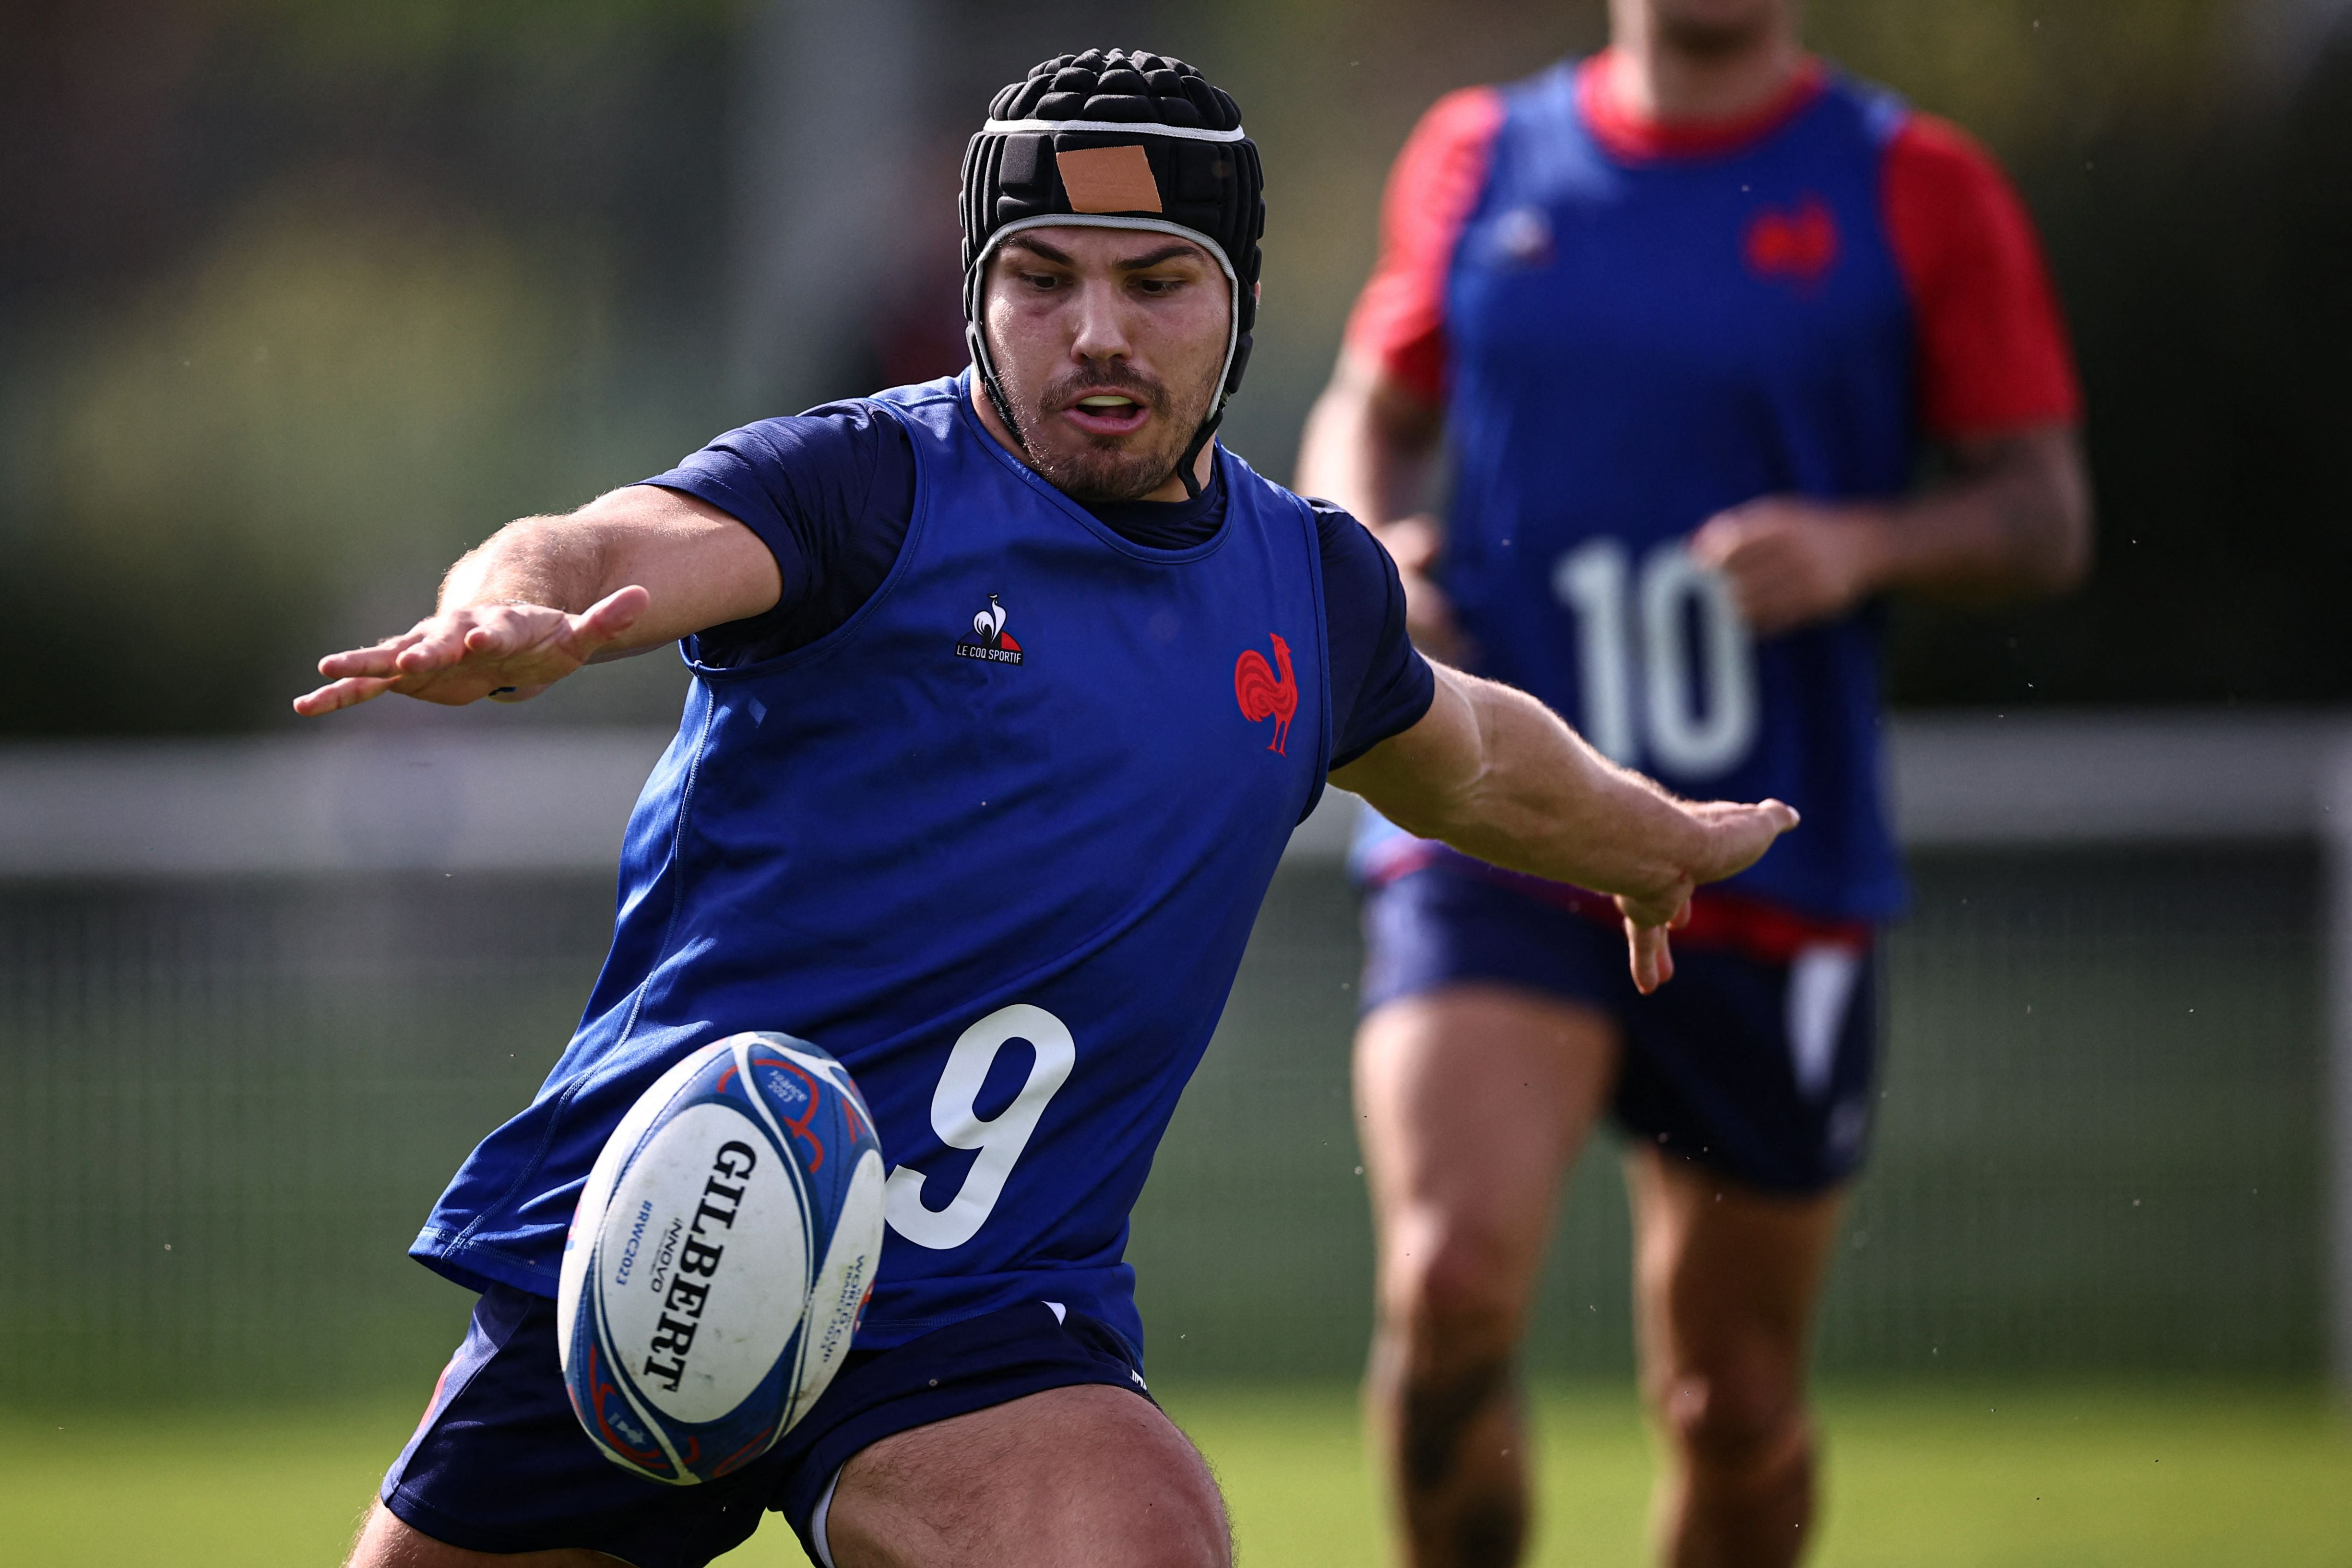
[{"x": 989, "y": 640}]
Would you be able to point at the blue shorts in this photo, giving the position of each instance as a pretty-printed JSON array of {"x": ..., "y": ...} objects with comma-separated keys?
[
  {"x": 500, "y": 1464},
  {"x": 1759, "y": 1067}
]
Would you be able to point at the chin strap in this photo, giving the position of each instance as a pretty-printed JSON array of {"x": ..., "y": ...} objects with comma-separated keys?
[
  {"x": 1201, "y": 437},
  {"x": 987, "y": 368}
]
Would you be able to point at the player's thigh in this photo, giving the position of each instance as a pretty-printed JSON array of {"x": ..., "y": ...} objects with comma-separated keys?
[
  {"x": 386, "y": 1541},
  {"x": 1725, "y": 1280},
  {"x": 1083, "y": 1477},
  {"x": 1473, "y": 1100}
]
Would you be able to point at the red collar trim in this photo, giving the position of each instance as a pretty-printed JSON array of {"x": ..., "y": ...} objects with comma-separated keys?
[{"x": 1627, "y": 133}]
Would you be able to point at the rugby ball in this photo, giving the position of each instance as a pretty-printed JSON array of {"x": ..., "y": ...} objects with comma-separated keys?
[{"x": 719, "y": 1258}]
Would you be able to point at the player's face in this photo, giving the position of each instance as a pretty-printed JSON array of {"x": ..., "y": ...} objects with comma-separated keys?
[
  {"x": 1717, "y": 26},
  {"x": 1108, "y": 344}
]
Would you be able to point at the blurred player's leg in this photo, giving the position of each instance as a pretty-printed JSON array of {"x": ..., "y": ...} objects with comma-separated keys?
[
  {"x": 1074, "y": 1478},
  {"x": 1724, "y": 1282},
  {"x": 1473, "y": 1102}
]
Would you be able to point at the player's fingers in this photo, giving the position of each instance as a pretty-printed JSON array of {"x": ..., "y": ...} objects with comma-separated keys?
[
  {"x": 378, "y": 657},
  {"x": 1762, "y": 588},
  {"x": 377, "y": 660},
  {"x": 447, "y": 641},
  {"x": 339, "y": 694},
  {"x": 1754, "y": 828},
  {"x": 502, "y": 631},
  {"x": 1711, "y": 546},
  {"x": 1726, "y": 536},
  {"x": 375, "y": 656},
  {"x": 518, "y": 632},
  {"x": 1758, "y": 826},
  {"x": 1653, "y": 962}
]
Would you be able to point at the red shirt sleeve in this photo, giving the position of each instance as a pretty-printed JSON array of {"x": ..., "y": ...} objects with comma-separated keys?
[
  {"x": 1992, "y": 348},
  {"x": 1399, "y": 321}
]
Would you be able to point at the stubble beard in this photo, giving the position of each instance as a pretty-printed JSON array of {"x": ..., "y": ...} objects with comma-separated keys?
[{"x": 1107, "y": 469}]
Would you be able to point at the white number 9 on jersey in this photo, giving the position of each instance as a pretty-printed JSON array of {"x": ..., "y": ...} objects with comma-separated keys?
[{"x": 955, "y": 1117}]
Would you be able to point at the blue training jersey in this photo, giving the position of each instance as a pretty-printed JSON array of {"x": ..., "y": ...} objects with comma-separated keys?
[
  {"x": 997, "y": 843},
  {"x": 1633, "y": 343}
]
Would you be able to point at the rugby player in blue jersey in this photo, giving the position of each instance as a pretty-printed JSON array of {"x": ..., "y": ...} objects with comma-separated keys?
[
  {"x": 1684, "y": 318},
  {"x": 1007, "y": 693}
]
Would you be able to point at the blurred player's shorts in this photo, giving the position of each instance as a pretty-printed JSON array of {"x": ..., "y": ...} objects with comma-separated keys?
[{"x": 1755, "y": 1060}]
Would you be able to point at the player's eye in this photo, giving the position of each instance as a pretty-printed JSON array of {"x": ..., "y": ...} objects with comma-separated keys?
[{"x": 1159, "y": 286}]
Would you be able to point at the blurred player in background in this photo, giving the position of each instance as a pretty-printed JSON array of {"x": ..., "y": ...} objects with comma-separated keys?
[
  {"x": 1683, "y": 320},
  {"x": 981, "y": 761}
]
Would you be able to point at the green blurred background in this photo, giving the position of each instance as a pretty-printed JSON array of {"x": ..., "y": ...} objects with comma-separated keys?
[{"x": 298, "y": 298}]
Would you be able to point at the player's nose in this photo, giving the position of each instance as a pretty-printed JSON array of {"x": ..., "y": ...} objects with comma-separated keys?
[{"x": 1098, "y": 324}]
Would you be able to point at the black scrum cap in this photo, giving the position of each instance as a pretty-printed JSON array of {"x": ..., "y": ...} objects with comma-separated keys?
[{"x": 1122, "y": 141}]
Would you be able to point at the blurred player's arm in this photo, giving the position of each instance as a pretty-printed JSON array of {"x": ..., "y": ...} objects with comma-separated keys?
[
  {"x": 1496, "y": 775},
  {"x": 2011, "y": 519},
  {"x": 1371, "y": 445},
  {"x": 1998, "y": 393},
  {"x": 1372, "y": 442},
  {"x": 632, "y": 570}
]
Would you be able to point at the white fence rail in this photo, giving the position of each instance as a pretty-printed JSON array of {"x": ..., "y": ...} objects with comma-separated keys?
[
  {"x": 544, "y": 800},
  {"x": 555, "y": 800}
]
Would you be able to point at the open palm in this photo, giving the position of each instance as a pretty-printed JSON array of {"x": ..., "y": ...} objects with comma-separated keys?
[{"x": 505, "y": 652}]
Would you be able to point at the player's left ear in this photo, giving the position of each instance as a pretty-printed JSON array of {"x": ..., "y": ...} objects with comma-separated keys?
[{"x": 1257, "y": 293}]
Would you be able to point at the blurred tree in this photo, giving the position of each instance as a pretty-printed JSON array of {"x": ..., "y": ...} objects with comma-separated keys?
[
  {"x": 297, "y": 296},
  {"x": 356, "y": 285},
  {"x": 339, "y": 385}
]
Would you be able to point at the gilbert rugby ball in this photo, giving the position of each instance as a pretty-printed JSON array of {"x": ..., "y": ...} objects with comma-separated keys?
[{"x": 721, "y": 1256}]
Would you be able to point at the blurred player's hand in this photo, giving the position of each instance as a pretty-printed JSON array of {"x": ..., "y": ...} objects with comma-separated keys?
[
  {"x": 1415, "y": 543},
  {"x": 508, "y": 653},
  {"x": 1734, "y": 838},
  {"x": 1791, "y": 562}
]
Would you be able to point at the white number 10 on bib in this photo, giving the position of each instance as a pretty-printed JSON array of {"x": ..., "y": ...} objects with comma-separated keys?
[
  {"x": 955, "y": 1117},
  {"x": 1643, "y": 702}
]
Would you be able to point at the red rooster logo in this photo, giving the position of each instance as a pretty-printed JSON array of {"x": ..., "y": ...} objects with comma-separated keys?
[
  {"x": 1801, "y": 244},
  {"x": 1262, "y": 696}
]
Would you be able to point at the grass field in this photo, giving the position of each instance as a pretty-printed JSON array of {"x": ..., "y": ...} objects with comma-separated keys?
[{"x": 1990, "y": 1474}]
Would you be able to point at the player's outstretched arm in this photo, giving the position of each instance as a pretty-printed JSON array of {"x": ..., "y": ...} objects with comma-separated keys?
[
  {"x": 1496, "y": 775},
  {"x": 632, "y": 570}
]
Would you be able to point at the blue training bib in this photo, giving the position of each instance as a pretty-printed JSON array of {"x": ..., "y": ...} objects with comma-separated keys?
[
  {"x": 997, "y": 843},
  {"x": 1636, "y": 345}
]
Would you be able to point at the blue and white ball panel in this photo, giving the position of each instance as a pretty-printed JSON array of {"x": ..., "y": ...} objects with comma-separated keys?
[{"x": 721, "y": 1252}]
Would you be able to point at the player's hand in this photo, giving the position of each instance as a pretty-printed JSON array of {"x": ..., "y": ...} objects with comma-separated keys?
[
  {"x": 1414, "y": 544},
  {"x": 506, "y": 652},
  {"x": 1732, "y": 837},
  {"x": 1791, "y": 562}
]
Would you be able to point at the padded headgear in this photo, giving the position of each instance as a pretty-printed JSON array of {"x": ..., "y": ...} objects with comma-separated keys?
[{"x": 1122, "y": 141}]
